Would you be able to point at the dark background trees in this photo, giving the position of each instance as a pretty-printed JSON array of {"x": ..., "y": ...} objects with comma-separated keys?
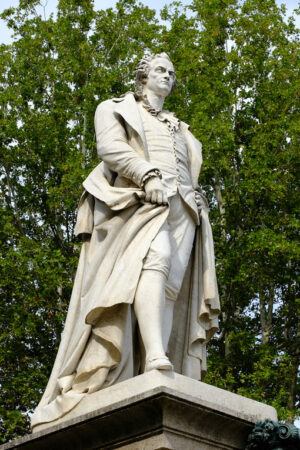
[{"x": 236, "y": 64}]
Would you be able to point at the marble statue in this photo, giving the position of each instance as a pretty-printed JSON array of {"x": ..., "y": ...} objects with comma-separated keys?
[{"x": 145, "y": 294}]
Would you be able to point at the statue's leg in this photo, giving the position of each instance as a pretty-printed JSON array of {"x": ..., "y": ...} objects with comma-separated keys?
[
  {"x": 149, "y": 309},
  {"x": 161, "y": 280},
  {"x": 181, "y": 236},
  {"x": 149, "y": 304},
  {"x": 168, "y": 322}
]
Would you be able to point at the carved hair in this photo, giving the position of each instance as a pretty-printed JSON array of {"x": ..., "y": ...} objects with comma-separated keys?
[{"x": 142, "y": 70}]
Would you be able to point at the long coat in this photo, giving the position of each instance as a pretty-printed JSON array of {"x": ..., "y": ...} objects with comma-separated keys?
[{"x": 99, "y": 345}]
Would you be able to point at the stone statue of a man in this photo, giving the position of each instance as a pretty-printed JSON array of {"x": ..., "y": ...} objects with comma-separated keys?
[{"x": 146, "y": 270}]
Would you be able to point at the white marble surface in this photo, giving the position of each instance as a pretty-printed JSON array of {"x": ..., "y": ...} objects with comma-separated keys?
[
  {"x": 123, "y": 279},
  {"x": 156, "y": 381}
]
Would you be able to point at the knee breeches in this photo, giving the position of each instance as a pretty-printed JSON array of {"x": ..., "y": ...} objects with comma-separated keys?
[{"x": 170, "y": 250}]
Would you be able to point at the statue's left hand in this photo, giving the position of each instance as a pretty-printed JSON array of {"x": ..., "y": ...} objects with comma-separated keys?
[{"x": 201, "y": 200}]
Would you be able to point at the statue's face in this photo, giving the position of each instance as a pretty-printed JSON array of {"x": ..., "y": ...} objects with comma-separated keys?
[{"x": 160, "y": 77}]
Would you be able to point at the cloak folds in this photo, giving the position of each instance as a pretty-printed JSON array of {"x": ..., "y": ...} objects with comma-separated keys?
[{"x": 98, "y": 344}]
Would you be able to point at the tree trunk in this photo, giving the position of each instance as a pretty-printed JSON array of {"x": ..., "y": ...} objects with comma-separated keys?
[{"x": 266, "y": 303}]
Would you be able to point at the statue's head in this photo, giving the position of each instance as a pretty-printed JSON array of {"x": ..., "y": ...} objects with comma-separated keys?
[{"x": 155, "y": 72}]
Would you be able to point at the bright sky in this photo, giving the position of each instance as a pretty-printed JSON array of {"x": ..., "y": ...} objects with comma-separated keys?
[{"x": 50, "y": 6}]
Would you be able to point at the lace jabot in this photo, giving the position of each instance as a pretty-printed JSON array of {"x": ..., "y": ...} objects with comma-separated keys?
[{"x": 162, "y": 116}]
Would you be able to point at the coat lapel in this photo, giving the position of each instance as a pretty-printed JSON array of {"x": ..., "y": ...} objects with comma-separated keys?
[
  {"x": 194, "y": 151},
  {"x": 130, "y": 113}
]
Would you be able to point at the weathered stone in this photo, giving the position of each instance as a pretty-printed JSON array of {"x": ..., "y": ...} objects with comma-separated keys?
[
  {"x": 155, "y": 410},
  {"x": 147, "y": 262}
]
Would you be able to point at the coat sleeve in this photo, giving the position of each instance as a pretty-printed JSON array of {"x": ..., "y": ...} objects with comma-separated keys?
[{"x": 113, "y": 147}]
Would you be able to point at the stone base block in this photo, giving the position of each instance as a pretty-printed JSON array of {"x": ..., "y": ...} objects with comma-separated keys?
[{"x": 156, "y": 410}]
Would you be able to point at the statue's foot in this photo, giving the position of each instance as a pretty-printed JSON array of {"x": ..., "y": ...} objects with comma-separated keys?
[{"x": 159, "y": 363}]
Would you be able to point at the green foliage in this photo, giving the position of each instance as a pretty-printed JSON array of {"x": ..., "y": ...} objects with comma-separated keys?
[{"x": 236, "y": 63}]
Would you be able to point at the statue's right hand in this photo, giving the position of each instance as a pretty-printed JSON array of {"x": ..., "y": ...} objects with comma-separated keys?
[{"x": 155, "y": 191}]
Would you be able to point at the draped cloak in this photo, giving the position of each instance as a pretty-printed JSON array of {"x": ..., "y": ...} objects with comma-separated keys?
[{"x": 99, "y": 345}]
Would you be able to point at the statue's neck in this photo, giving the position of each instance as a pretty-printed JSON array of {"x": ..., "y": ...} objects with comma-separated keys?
[{"x": 156, "y": 101}]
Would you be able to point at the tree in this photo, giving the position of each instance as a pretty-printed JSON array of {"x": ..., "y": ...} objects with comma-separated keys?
[{"x": 236, "y": 66}]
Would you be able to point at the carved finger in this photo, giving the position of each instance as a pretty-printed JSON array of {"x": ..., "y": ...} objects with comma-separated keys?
[
  {"x": 154, "y": 197},
  {"x": 159, "y": 198}
]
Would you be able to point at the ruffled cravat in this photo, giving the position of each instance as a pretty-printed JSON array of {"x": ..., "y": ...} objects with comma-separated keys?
[{"x": 162, "y": 116}]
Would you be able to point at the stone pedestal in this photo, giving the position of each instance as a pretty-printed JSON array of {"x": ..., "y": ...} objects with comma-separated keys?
[{"x": 156, "y": 410}]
